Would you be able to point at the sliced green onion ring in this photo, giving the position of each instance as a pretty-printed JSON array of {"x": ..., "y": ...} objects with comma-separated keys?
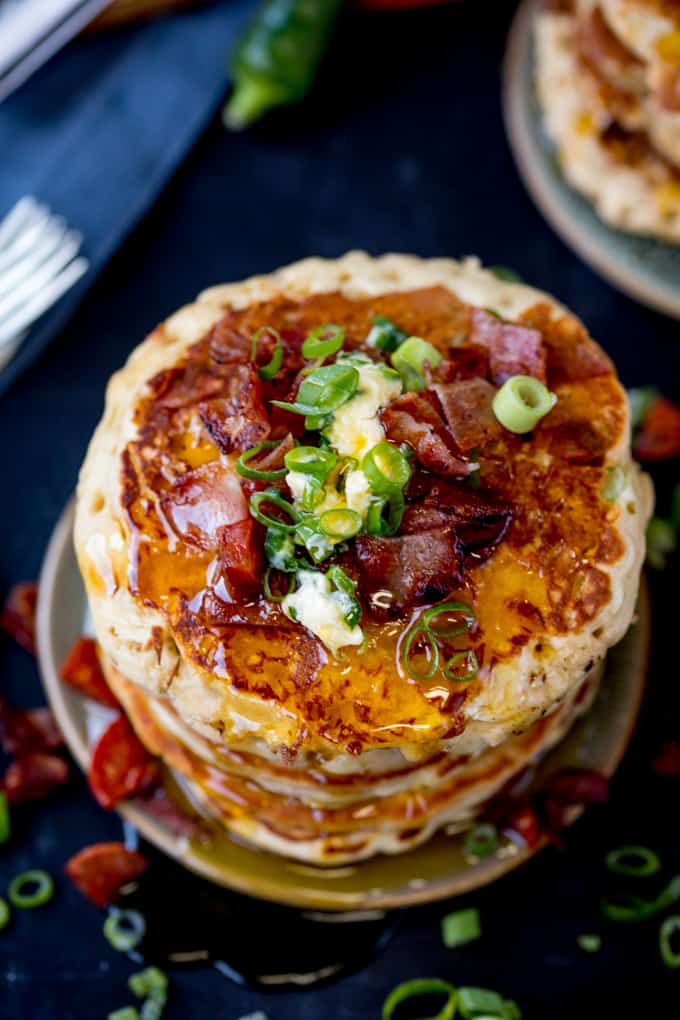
[
  {"x": 476, "y": 1002},
  {"x": 521, "y": 402},
  {"x": 386, "y": 468},
  {"x": 323, "y": 341},
  {"x": 636, "y": 861},
  {"x": 669, "y": 927},
  {"x": 154, "y": 1005},
  {"x": 274, "y": 497},
  {"x": 5, "y": 913},
  {"x": 415, "y": 634},
  {"x": 311, "y": 460},
  {"x": 418, "y": 988},
  {"x": 482, "y": 841},
  {"x": 5, "y": 821},
  {"x": 613, "y": 483},
  {"x": 124, "y": 929},
  {"x": 461, "y": 927},
  {"x": 146, "y": 981},
  {"x": 30, "y": 889},
  {"x": 628, "y": 908},
  {"x": 410, "y": 359},
  {"x": 246, "y": 471},
  {"x": 385, "y": 335},
  {"x": 266, "y": 585},
  {"x": 268, "y": 371},
  {"x": 125, "y": 1013},
  {"x": 341, "y": 523},
  {"x": 589, "y": 943},
  {"x": 377, "y": 523},
  {"x": 324, "y": 390},
  {"x": 451, "y": 608},
  {"x": 462, "y": 667}
]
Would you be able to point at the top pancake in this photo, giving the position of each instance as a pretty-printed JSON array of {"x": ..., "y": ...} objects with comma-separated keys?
[{"x": 556, "y": 593}]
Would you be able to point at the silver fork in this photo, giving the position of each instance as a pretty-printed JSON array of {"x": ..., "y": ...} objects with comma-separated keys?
[{"x": 39, "y": 262}]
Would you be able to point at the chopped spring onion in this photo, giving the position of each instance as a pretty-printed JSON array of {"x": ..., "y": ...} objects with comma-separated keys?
[
  {"x": 419, "y": 988},
  {"x": 481, "y": 841},
  {"x": 5, "y": 823},
  {"x": 347, "y": 588},
  {"x": 279, "y": 549},
  {"x": 323, "y": 341},
  {"x": 243, "y": 463},
  {"x": 462, "y": 667},
  {"x": 126, "y": 1013},
  {"x": 461, "y": 927},
  {"x": 154, "y": 1006},
  {"x": 267, "y": 589},
  {"x": 30, "y": 889},
  {"x": 475, "y": 1002},
  {"x": 376, "y": 521},
  {"x": 675, "y": 508},
  {"x": 637, "y": 861},
  {"x": 669, "y": 927},
  {"x": 626, "y": 907},
  {"x": 661, "y": 542},
  {"x": 589, "y": 943},
  {"x": 448, "y": 609},
  {"x": 146, "y": 981},
  {"x": 311, "y": 460},
  {"x": 505, "y": 274},
  {"x": 386, "y": 468},
  {"x": 341, "y": 523},
  {"x": 323, "y": 391},
  {"x": 124, "y": 929},
  {"x": 269, "y": 370},
  {"x": 274, "y": 497},
  {"x": 411, "y": 650},
  {"x": 309, "y": 534},
  {"x": 385, "y": 335},
  {"x": 521, "y": 402},
  {"x": 5, "y": 913},
  {"x": 613, "y": 483},
  {"x": 410, "y": 359},
  {"x": 640, "y": 400}
]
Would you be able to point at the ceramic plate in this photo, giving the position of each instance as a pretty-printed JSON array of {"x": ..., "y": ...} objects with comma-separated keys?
[
  {"x": 643, "y": 268},
  {"x": 436, "y": 870}
]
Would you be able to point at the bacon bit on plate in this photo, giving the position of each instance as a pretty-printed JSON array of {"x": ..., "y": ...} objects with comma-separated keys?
[
  {"x": 177, "y": 820},
  {"x": 667, "y": 760},
  {"x": 27, "y": 729},
  {"x": 240, "y": 556},
  {"x": 513, "y": 350},
  {"x": 18, "y": 614},
  {"x": 523, "y": 821},
  {"x": 121, "y": 766},
  {"x": 83, "y": 671},
  {"x": 659, "y": 434},
  {"x": 100, "y": 870},
  {"x": 32, "y": 776}
]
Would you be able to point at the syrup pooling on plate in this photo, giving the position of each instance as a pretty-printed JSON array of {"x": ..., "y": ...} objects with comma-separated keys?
[{"x": 543, "y": 579}]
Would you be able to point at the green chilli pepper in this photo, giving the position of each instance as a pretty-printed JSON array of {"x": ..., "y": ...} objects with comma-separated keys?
[{"x": 277, "y": 57}]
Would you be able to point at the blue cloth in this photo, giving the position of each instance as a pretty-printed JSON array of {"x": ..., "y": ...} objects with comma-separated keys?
[{"x": 98, "y": 132}]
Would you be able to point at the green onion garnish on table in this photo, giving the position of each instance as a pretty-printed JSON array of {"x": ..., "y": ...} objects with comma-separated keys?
[
  {"x": 521, "y": 402},
  {"x": 670, "y": 927},
  {"x": 420, "y": 988},
  {"x": 589, "y": 943},
  {"x": 126, "y": 1013},
  {"x": 636, "y": 861},
  {"x": 629, "y": 908},
  {"x": 661, "y": 542},
  {"x": 30, "y": 889},
  {"x": 5, "y": 821},
  {"x": 461, "y": 927},
  {"x": 640, "y": 399},
  {"x": 124, "y": 929},
  {"x": 5, "y": 913}
]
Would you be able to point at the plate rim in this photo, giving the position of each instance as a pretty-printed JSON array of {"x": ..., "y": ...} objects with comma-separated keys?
[
  {"x": 299, "y": 896},
  {"x": 538, "y": 183}
]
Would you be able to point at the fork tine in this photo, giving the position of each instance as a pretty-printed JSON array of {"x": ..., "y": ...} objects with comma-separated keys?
[
  {"x": 40, "y": 276},
  {"x": 17, "y": 215},
  {"x": 25, "y": 316},
  {"x": 30, "y": 262},
  {"x": 28, "y": 235}
]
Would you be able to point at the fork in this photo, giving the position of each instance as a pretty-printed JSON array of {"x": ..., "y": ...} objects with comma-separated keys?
[{"x": 39, "y": 262}]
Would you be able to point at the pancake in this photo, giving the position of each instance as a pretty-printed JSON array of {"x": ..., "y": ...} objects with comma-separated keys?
[
  {"x": 520, "y": 531},
  {"x": 612, "y": 109}
]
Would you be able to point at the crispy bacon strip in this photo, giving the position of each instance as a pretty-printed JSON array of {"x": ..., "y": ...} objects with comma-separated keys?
[
  {"x": 202, "y": 501},
  {"x": 414, "y": 418},
  {"x": 240, "y": 555},
  {"x": 32, "y": 729},
  {"x": 18, "y": 614},
  {"x": 479, "y": 522},
  {"x": 659, "y": 434},
  {"x": 100, "y": 870},
  {"x": 467, "y": 407},
  {"x": 83, "y": 671},
  {"x": 33, "y": 775},
  {"x": 237, "y": 420},
  {"x": 226, "y": 344},
  {"x": 513, "y": 350},
  {"x": 121, "y": 766},
  {"x": 397, "y": 573}
]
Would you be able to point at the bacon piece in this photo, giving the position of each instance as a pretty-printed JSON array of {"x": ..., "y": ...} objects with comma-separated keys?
[
  {"x": 121, "y": 766},
  {"x": 18, "y": 614},
  {"x": 469, "y": 361},
  {"x": 32, "y": 729},
  {"x": 572, "y": 787},
  {"x": 659, "y": 434},
  {"x": 175, "y": 388},
  {"x": 523, "y": 821},
  {"x": 83, "y": 671},
  {"x": 100, "y": 870},
  {"x": 572, "y": 355},
  {"x": 240, "y": 556},
  {"x": 178, "y": 821},
  {"x": 204, "y": 500},
  {"x": 479, "y": 522},
  {"x": 667, "y": 760},
  {"x": 413, "y": 419},
  {"x": 467, "y": 407},
  {"x": 397, "y": 573},
  {"x": 32, "y": 776},
  {"x": 226, "y": 344},
  {"x": 513, "y": 350},
  {"x": 237, "y": 420}
]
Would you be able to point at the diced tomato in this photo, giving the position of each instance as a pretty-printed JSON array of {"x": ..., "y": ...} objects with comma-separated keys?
[
  {"x": 667, "y": 760},
  {"x": 100, "y": 870},
  {"x": 659, "y": 434},
  {"x": 83, "y": 671},
  {"x": 18, "y": 614},
  {"x": 32, "y": 729},
  {"x": 32, "y": 776},
  {"x": 121, "y": 766}
]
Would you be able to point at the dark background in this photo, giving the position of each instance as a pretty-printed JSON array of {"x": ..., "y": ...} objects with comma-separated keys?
[{"x": 401, "y": 148}]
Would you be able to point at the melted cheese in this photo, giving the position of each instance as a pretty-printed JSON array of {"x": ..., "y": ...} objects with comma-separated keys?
[
  {"x": 321, "y": 610},
  {"x": 356, "y": 427}
]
